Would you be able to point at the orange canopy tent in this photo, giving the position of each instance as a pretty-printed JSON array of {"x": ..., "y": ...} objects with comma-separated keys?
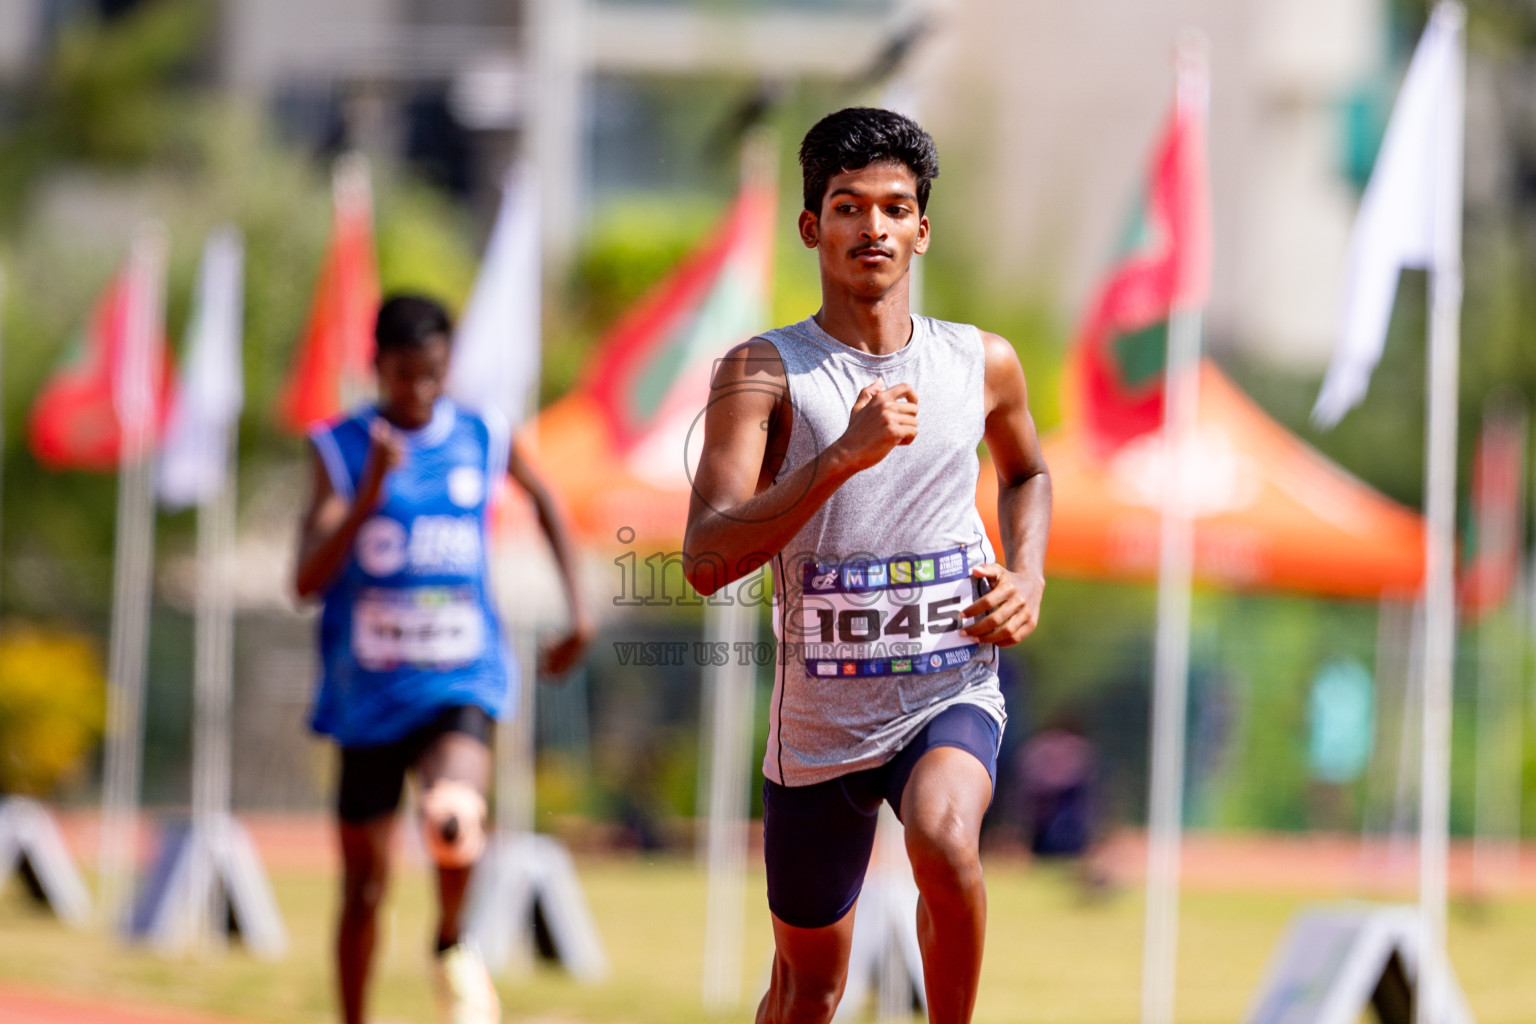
[{"x": 1271, "y": 513}]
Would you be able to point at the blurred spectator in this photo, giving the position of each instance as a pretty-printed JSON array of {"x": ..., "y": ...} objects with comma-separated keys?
[
  {"x": 1058, "y": 768},
  {"x": 1342, "y": 716}
]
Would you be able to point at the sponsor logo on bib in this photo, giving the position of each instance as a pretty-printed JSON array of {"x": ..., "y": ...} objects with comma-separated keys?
[
  {"x": 381, "y": 546},
  {"x": 434, "y": 544}
]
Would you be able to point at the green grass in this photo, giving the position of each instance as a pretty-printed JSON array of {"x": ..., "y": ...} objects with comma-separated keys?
[{"x": 1050, "y": 956}]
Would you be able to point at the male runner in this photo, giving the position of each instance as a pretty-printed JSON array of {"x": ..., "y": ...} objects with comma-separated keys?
[
  {"x": 814, "y": 460},
  {"x": 414, "y": 666}
]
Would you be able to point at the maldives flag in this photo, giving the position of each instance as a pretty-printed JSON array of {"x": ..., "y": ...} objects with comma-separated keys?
[
  {"x": 620, "y": 446},
  {"x": 334, "y": 367},
  {"x": 113, "y": 384},
  {"x": 650, "y": 375},
  {"x": 1162, "y": 265}
]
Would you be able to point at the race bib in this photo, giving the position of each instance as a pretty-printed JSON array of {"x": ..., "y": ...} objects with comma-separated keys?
[
  {"x": 426, "y": 627},
  {"x": 885, "y": 617}
]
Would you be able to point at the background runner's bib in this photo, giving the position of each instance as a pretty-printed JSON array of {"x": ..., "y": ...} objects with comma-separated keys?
[
  {"x": 852, "y": 701},
  {"x": 420, "y": 627},
  {"x": 408, "y": 627}
]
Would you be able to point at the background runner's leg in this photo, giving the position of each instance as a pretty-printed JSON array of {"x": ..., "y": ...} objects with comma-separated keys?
[
  {"x": 461, "y": 758},
  {"x": 365, "y": 873},
  {"x": 942, "y": 808}
]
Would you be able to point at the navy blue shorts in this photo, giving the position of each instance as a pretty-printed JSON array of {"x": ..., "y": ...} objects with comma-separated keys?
[
  {"x": 817, "y": 839},
  {"x": 372, "y": 778}
]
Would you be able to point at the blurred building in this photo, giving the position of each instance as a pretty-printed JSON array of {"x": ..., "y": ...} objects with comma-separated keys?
[
  {"x": 456, "y": 86},
  {"x": 1044, "y": 112}
]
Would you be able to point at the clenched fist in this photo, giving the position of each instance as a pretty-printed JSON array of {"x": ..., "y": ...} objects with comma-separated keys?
[
  {"x": 882, "y": 418},
  {"x": 386, "y": 451}
]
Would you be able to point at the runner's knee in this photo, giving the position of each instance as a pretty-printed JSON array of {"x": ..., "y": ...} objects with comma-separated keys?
[
  {"x": 810, "y": 999},
  {"x": 943, "y": 853},
  {"x": 363, "y": 886},
  {"x": 453, "y": 823}
]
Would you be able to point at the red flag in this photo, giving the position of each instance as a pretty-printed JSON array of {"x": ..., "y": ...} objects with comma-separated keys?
[
  {"x": 76, "y": 421},
  {"x": 334, "y": 366},
  {"x": 1162, "y": 266},
  {"x": 1490, "y": 560}
]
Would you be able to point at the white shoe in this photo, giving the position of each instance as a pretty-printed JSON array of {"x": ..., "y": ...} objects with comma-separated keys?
[{"x": 463, "y": 987}]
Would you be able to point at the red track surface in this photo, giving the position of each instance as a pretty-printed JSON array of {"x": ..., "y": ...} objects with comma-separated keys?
[
  {"x": 20, "y": 1007},
  {"x": 1288, "y": 863}
]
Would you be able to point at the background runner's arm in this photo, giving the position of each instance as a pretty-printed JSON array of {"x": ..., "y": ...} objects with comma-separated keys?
[
  {"x": 331, "y": 523},
  {"x": 1012, "y": 608},
  {"x": 739, "y": 515},
  {"x": 563, "y": 654}
]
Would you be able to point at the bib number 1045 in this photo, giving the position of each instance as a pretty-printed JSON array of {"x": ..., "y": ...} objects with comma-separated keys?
[{"x": 863, "y": 625}]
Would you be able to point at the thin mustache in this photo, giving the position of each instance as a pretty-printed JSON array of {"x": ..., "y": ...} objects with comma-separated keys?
[{"x": 871, "y": 248}]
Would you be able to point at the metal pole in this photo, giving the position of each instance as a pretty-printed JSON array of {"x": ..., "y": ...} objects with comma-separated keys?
[
  {"x": 213, "y": 698},
  {"x": 1170, "y": 676},
  {"x": 730, "y": 686},
  {"x": 1170, "y": 679},
  {"x": 132, "y": 583},
  {"x": 1439, "y": 556},
  {"x": 556, "y": 30}
]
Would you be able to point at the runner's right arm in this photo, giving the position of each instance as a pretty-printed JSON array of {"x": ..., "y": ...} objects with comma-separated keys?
[
  {"x": 739, "y": 515},
  {"x": 331, "y": 523}
]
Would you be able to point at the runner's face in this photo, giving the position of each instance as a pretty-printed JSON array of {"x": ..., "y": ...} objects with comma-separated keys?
[
  {"x": 411, "y": 381},
  {"x": 868, "y": 229}
]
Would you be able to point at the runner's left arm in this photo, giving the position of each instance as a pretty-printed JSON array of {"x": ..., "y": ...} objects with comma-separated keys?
[
  {"x": 566, "y": 652},
  {"x": 1011, "y": 609}
]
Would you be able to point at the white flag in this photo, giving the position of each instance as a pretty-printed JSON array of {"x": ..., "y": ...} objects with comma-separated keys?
[
  {"x": 195, "y": 452},
  {"x": 496, "y": 350},
  {"x": 1400, "y": 218}
]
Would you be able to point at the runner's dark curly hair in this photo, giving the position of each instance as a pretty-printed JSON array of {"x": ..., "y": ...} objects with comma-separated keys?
[
  {"x": 408, "y": 321},
  {"x": 859, "y": 136}
]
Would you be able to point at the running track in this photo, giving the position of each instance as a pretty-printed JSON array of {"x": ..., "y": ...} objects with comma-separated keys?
[{"x": 22, "y": 1007}]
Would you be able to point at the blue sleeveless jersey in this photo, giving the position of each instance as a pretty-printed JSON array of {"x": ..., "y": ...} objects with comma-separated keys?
[{"x": 408, "y": 627}]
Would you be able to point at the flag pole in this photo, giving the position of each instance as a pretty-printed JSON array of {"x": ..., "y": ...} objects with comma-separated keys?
[
  {"x": 1170, "y": 676},
  {"x": 134, "y": 398},
  {"x": 728, "y": 733},
  {"x": 1439, "y": 540},
  {"x": 215, "y": 624}
]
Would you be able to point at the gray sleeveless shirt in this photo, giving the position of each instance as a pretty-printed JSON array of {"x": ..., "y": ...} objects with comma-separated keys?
[{"x": 868, "y": 591}]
